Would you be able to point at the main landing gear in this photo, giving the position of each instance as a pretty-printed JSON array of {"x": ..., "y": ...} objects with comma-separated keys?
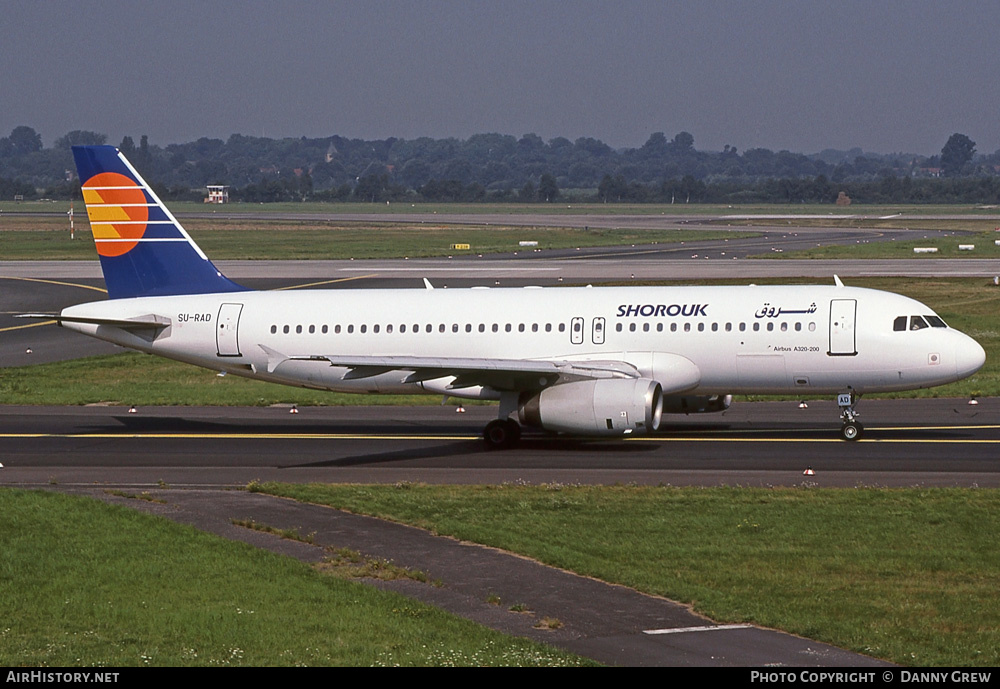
[
  {"x": 503, "y": 431},
  {"x": 852, "y": 428}
]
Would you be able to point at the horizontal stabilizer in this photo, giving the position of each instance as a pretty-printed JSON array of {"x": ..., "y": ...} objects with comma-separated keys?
[{"x": 139, "y": 323}]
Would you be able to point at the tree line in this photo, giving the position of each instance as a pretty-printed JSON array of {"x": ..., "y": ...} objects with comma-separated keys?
[{"x": 499, "y": 167}]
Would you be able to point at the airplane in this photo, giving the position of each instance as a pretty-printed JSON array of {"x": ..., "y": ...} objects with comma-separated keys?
[{"x": 588, "y": 361}]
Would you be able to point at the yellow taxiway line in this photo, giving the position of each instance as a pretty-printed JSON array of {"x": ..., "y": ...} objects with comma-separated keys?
[{"x": 386, "y": 436}]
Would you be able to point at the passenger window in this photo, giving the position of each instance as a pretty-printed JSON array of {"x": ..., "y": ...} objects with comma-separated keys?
[
  {"x": 274, "y": 329},
  {"x": 673, "y": 327},
  {"x": 298, "y": 329}
]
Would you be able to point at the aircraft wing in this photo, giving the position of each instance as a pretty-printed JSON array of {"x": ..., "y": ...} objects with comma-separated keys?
[{"x": 499, "y": 374}]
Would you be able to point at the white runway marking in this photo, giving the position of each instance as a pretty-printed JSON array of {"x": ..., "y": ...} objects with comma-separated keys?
[{"x": 710, "y": 628}]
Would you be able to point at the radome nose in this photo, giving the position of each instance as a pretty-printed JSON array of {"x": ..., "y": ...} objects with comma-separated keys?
[{"x": 969, "y": 356}]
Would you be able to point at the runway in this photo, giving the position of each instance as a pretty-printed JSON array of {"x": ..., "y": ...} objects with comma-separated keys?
[{"x": 907, "y": 443}]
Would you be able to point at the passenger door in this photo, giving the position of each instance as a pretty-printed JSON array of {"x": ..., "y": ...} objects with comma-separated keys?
[
  {"x": 227, "y": 330},
  {"x": 842, "y": 331}
]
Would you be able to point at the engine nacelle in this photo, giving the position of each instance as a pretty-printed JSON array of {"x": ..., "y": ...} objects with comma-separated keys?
[
  {"x": 696, "y": 404},
  {"x": 595, "y": 407}
]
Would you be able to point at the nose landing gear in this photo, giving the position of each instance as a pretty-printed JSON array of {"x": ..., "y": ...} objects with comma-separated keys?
[{"x": 851, "y": 428}]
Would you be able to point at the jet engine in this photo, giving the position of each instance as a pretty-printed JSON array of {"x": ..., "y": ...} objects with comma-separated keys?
[
  {"x": 595, "y": 407},
  {"x": 696, "y": 404}
]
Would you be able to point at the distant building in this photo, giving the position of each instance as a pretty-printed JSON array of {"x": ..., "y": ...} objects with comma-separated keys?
[{"x": 217, "y": 194}]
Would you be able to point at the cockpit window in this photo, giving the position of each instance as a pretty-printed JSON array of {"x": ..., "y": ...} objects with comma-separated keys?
[
  {"x": 899, "y": 324},
  {"x": 936, "y": 322},
  {"x": 918, "y": 323}
]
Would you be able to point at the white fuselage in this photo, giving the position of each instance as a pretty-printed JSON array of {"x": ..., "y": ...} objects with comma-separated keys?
[{"x": 757, "y": 339}]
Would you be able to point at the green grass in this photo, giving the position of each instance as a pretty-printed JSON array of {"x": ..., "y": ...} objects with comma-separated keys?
[
  {"x": 982, "y": 232},
  {"x": 561, "y": 207},
  {"x": 83, "y": 583},
  {"x": 46, "y": 238},
  {"x": 947, "y": 247},
  {"x": 228, "y": 236},
  {"x": 133, "y": 378},
  {"x": 905, "y": 575},
  {"x": 970, "y": 305}
]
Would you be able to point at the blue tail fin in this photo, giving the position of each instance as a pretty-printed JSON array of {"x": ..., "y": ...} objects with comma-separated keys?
[{"x": 144, "y": 250}]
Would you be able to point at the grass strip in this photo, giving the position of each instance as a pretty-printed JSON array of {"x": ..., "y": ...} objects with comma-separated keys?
[
  {"x": 567, "y": 206},
  {"x": 83, "y": 583},
  {"x": 223, "y": 239},
  {"x": 908, "y": 575},
  {"x": 133, "y": 378}
]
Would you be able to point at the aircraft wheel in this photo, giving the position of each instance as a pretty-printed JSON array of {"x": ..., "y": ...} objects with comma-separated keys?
[
  {"x": 501, "y": 433},
  {"x": 851, "y": 430},
  {"x": 515, "y": 431}
]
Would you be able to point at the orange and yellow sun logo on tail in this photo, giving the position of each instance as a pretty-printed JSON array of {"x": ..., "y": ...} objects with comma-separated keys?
[{"x": 118, "y": 212}]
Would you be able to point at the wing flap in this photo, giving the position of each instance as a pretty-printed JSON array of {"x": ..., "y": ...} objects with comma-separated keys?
[{"x": 500, "y": 374}]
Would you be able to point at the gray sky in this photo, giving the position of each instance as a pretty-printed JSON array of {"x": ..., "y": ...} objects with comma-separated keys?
[{"x": 780, "y": 74}]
